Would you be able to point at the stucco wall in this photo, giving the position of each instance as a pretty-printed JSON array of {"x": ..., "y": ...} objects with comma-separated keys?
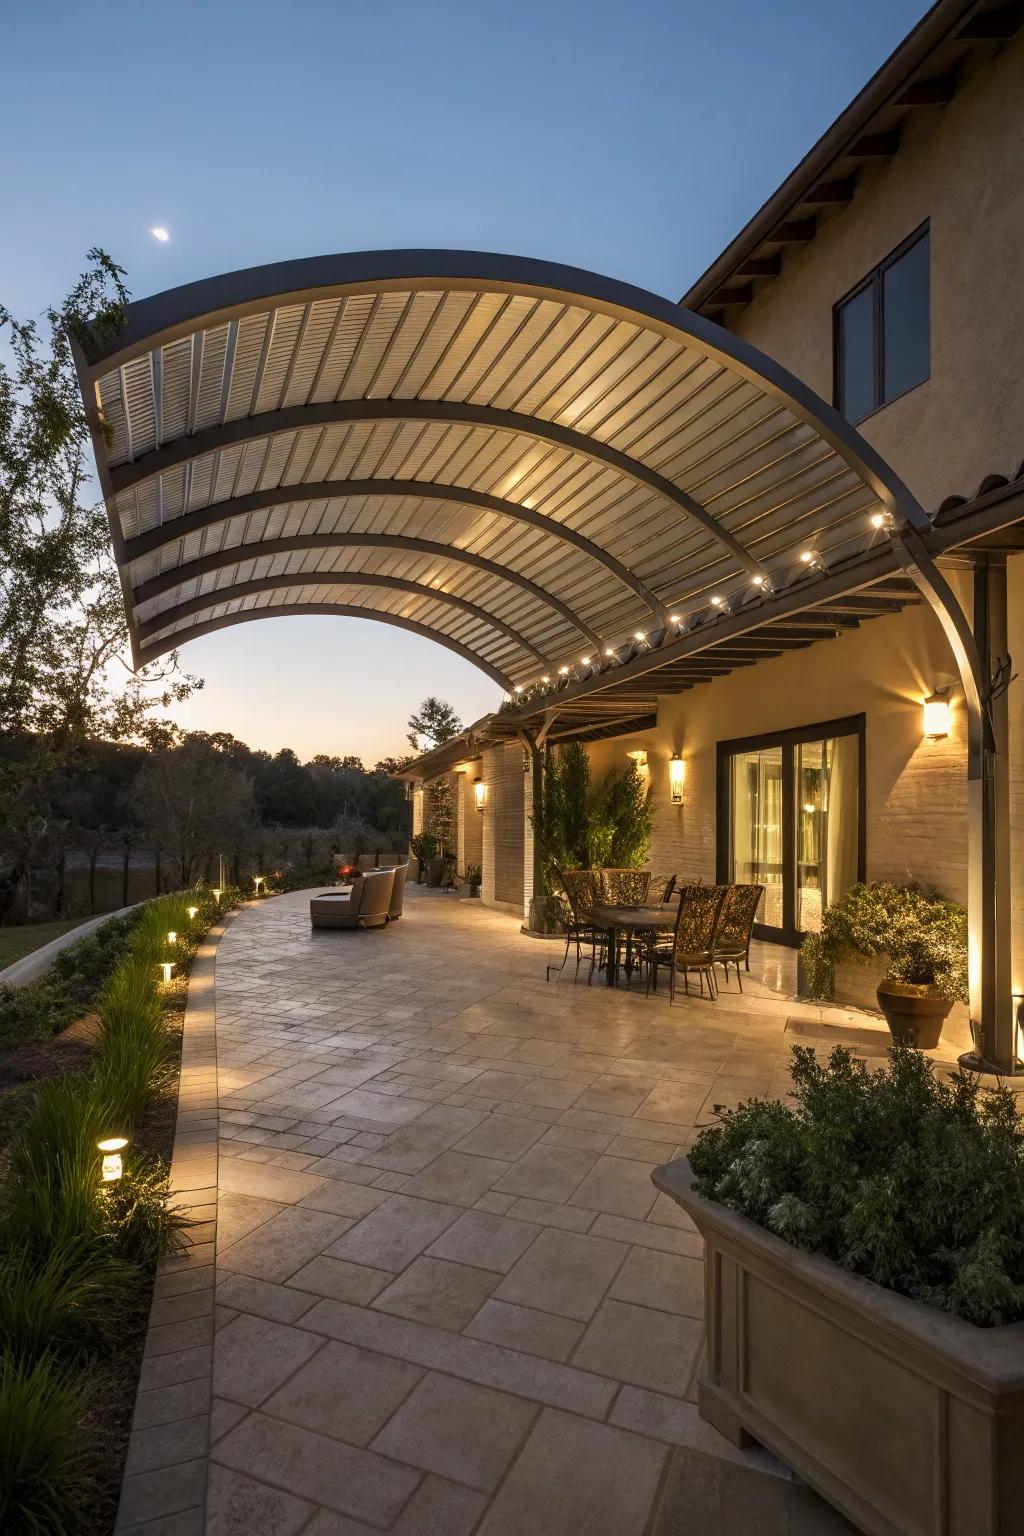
[
  {"x": 963, "y": 168},
  {"x": 916, "y": 790}
]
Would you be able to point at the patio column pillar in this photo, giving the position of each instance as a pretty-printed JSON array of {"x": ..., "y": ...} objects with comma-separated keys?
[{"x": 989, "y": 833}]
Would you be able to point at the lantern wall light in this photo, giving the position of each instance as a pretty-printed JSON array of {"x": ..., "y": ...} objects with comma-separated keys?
[
  {"x": 676, "y": 778},
  {"x": 112, "y": 1148},
  {"x": 937, "y": 715},
  {"x": 479, "y": 793}
]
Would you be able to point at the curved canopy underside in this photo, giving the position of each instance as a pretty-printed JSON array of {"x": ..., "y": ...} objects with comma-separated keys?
[{"x": 524, "y": 461}]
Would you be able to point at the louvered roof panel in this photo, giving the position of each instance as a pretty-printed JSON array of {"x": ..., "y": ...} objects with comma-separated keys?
[{"x": 593, "y": 457}]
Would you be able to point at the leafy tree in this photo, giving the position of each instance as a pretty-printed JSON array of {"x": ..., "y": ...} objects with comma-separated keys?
[
  {"x": 387, "y": 766},
  {"x": 63, "y": 633},
  {"x": 433, "y": 723},
  {"x": 441, "y": 811},
  {"x": 195, "y": 802}
]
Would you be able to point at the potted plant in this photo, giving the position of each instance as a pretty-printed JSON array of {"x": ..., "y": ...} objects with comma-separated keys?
[
  {"x": 472, "y": 878},
  {"x": 865, "y": 1289},
  {"x": 424, "y": 848},
  {"x": 923, "y": 939}
]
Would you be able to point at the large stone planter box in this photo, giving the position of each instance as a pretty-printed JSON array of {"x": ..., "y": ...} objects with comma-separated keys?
[{"x": 908, "y": 1420}]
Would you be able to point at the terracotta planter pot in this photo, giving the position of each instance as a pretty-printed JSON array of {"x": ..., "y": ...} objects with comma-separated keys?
[
  {"x": 908, "y": 1420},
  {"x": 915, "y": 1014}
]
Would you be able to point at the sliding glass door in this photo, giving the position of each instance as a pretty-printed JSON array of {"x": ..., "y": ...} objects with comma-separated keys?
[{"x": 791, "y": 818}]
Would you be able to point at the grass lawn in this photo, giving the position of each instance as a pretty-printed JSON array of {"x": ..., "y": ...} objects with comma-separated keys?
[{"x": 19, "y": 941}]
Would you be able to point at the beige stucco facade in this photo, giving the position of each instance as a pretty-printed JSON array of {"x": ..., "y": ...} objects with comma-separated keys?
[{"x": 962, "y": 169}]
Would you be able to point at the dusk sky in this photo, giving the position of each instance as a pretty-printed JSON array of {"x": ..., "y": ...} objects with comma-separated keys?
[{"x": 633, "y": 139}]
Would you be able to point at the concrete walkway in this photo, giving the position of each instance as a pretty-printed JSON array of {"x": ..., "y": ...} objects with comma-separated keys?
[{"x": 449, "y": 1299}]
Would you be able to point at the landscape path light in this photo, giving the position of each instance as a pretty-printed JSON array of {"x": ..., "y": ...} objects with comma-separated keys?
[
  {"x": 166, "y": 970},
  {"x": 192, "y": 914},
  {"x": 112, "y": 1148}
]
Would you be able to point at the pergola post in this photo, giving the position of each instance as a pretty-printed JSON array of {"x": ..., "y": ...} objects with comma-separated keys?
[
  {"x": 994, "y": 1021},
  {"x": 983, "y": 664}
]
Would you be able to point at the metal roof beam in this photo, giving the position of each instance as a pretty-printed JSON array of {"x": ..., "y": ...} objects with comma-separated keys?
[
  {"x": 427, "y": 490},
  {"x": 228, "y": 594},
  {"x": 342, "y": 610},
  {"x": 450, "y": 413},
  {"x": 166, "y": 581}
]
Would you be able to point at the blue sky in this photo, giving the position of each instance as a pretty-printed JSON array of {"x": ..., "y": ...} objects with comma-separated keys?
[{"x": 633, "y": 139}]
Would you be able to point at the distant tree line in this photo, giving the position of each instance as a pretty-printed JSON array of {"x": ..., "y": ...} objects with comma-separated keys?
[{"x": 187, "y": 798}]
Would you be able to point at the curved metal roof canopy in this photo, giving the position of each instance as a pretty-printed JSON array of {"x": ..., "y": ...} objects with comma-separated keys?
[{"x": 524, "y": 461}]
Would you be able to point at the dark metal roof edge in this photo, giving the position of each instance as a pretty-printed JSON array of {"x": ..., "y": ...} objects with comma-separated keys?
[{"x": 936, "y": 27}]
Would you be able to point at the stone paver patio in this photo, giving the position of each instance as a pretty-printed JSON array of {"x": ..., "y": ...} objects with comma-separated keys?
[{"x": 448, "y": 1297}]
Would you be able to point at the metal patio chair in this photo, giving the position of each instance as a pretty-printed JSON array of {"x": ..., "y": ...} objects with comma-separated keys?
[
  {"x": 693, "y": 941},
  {"x": 582, "y": 889},
  {"x": 735, "y": 926}
]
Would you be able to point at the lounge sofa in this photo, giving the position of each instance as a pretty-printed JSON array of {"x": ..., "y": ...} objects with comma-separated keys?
[
  {"x": 367, "y": 905},
  {"x": 398, "y": 891}
]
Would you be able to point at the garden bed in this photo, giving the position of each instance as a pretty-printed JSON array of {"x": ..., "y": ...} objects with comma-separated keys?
[{"x": 72, "y": 1457}]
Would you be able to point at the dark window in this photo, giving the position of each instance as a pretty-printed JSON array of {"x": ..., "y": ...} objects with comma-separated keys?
[{"x": 882, "y": 332}]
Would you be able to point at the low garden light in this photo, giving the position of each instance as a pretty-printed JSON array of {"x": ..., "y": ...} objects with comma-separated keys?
[
  {"x": 113, "y": 1167},
  {"x": 172, "y": 937},
  {"x": 166, "y": 970},
  {"x": 937, "y": 715},
  {"x": 259, "y": 881},
  {"x": 479, "y": 793},
  {"x": 193, "y": 912},
  {"x": 216, "y": 893},
  {"x": 676, "y": 778}
]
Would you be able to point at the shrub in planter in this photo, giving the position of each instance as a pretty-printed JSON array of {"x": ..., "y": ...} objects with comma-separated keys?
[
  {"x": 424, "y": 848},
  {"x": 912, "y": 1181},
  {"x": 924, "y": 938},
  {"x": 473, "y": 878}
]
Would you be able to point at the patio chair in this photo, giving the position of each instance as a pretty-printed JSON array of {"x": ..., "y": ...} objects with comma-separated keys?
[
  {"x": 693, "y": 942},
  {"x": 582, "y": 889},
  {"x": 661, "y": 888},
  {"x": 366, "y": 907},
  {"x": 735, "y": 926},
  {"x": 398, "y": 891},
  {"x": 625, "y": 887}
]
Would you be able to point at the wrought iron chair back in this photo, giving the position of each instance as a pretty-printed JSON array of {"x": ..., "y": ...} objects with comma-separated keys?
[
  {"x": 582, "y": 889},
  {"x": 625, "y": 887},
  {"x": 693, "y": 944},
  {"x": 735, "y": 926},
  {"x": 662, "y": 887}
]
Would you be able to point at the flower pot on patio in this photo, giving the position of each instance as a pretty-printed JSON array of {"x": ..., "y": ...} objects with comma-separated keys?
[
  {"x": 907, "y": 1419},
  {"x": 914, "y": 1013}
]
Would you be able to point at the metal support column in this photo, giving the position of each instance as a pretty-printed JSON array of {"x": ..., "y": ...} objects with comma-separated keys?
[
  {"x": 984, "y": 667},
  {"x": 994, "y": 1024}
]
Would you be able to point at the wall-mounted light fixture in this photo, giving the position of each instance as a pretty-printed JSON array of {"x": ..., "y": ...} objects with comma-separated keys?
[
  {"x": 676, "y": 778},
  {"x": 937, "y": 715},
  {"x": 639, "y": 756},
  {"x": 479, "y": 793},
  {"x": 112, "y": 1165}
]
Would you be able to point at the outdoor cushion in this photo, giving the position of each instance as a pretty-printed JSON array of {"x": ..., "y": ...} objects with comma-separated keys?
[{"x": 366, "y": 906}]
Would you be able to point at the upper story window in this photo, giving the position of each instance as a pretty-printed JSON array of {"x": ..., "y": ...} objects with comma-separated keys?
[{"x": 882, "y": 331}]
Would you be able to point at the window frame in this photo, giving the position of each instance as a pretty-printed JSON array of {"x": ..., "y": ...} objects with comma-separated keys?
[
  {"x": 874, "y": 281},
  {"x": 788, "y": 738}
]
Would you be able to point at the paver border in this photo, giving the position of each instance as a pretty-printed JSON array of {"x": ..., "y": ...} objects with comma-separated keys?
[{"x": 164, "y": 1477}]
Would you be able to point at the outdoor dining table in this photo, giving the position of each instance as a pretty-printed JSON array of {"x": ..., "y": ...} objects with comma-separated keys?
[{"x": 630, "y": 921}]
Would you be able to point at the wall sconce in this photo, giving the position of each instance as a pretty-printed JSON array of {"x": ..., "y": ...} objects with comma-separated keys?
[
  {"x": 192, "y": 911},
  {"x": 676, "y": 778},
  {"x": 937, "y": 715},
  {"x": 166, "y": 970},
  {"x": 112, "y": 1164},
  {"x": 479, "y": 793},
  {"x": 639, "y": 756}
]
